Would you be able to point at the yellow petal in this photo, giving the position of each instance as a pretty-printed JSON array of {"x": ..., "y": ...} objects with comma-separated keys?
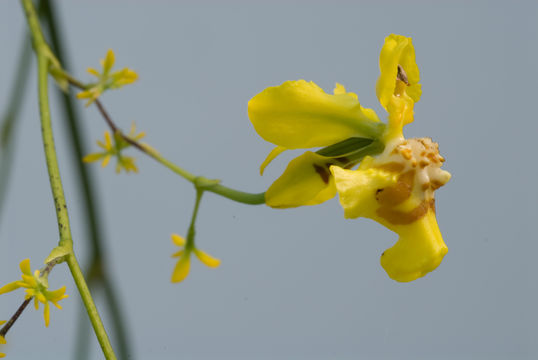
[
  {"x": 419, "y": 250},
  {"x": 128, "y": 164},
  {"x": 28, "y": 281},
  {"x": 182, "y": 268},
  {"x": 39, "y": 296},
  {"x": 306, "y": 181},
  {"x": 57, "y": 295},
  {"x": 206, "y": 259},
  {"x": 357, "y": 189},
  {"x": 92, "y": 157},
  {"x": 84, "y": 94},
  {"x": 109, "y": 61},
  {"x": 2, "y": 341},
  {"x": 178, "y": 253},
  {"x": 129, "y": 75},
  {"x": 132, "y": 131},
  {"x": 105, "y": 161},
  {"x": 10, "y": 287},
  {"x": 178, "y": 240},
  {"x": 272, "y": 155},
  {"x": 93, "y": 72},
  {"x": 108, "y": 140},
  {"x": 397, "y": 50},
  {"x": 123, "y": 77},
  {"x": 299, "y": 114},
  {"x": 339, "y": 89},
  {"x": 140, "y": 135},
  {"x": 25, "y": 267}
]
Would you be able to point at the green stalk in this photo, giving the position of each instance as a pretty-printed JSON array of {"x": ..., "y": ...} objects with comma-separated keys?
[
  {"x": 192, "y": 227},
  {"x": 232, "y": 194},
  {"x": 96, "y": 272},
  {"x": 43, "y": 54},
  {"x": 224, "y": 191}
]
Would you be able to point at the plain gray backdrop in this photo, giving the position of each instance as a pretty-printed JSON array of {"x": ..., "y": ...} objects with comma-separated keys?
[{"x": 302, "y": 283}]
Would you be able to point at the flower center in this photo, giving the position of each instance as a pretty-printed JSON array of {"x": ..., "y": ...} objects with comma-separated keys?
[{"x": 418, "y": 163}]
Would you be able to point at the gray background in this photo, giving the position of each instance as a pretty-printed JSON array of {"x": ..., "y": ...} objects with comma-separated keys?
[{"x": 293, "y": 284}]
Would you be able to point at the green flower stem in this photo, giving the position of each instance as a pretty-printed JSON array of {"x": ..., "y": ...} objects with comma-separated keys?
[
  {"x": 97, "y": 273},
  {"x": 43, "y": 60},
  {"x": 232, "y": 194},
  {"x": 91, "y": 309},
  {"x": 214, "y": 187},
  {"x": 190, "y": 234}
]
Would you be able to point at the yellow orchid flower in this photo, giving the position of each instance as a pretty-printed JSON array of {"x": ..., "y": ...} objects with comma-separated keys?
[
  {"x": 107, "y": 80},
  {"x": 37, "y": 287},
  {"x": 396, "y": 179},
  {"x": 182, "y": 268},
  {"x": 300, "y": 115}
]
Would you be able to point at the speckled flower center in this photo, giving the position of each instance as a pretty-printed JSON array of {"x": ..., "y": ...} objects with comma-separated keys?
[{"x": 418, "y": 163}]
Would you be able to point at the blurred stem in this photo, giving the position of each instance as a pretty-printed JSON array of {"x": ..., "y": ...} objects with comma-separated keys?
[
  {"x": 43, "y": 54},
  {"x": 96, "y": 272},
  {"x": 9, "y": 120}
]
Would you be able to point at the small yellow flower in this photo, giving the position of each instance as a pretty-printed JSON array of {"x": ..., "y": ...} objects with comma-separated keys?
[
  {"x": 36, "y": 287},
  {"x": 107, "y": 80},
  {"x": 114, "y": 148},
  {"x": 182, "y": 268}
]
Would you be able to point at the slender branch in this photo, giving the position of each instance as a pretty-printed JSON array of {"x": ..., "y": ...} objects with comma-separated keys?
[
  {"x": 114, "y": 128},
  {"x": 93, "y": 314},
  {"x": 43, "y": 60},
  {"x": 14, "y": 318}
]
